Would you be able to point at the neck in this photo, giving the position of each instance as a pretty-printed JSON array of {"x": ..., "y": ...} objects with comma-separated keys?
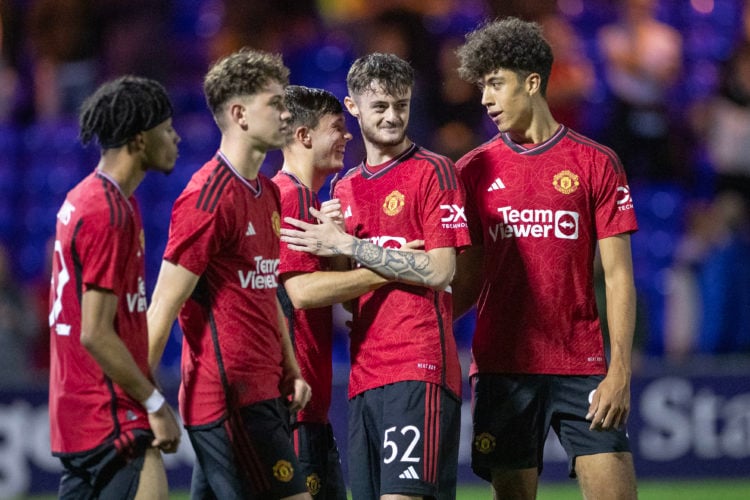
[
  {"x": 247, "y": 161},
  {"x": 304, "y": 171},
  {"x": 123, "y": 168},
  {"x": 541, "y": 127},
  {"x": 378, "y": 154}
]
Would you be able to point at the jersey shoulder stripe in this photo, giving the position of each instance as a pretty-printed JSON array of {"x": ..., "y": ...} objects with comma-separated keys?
[
  {"x": 115, "y": 202},
  {"x": 212, "y": 188},
  {"x": 446, "y": 174},
  {"x": 77, "y": 261},
  {"x": 304, "y": 197},
  {"x": 614, "y": 160}
]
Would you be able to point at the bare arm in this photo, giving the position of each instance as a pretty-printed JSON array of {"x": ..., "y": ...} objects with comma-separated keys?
[
  {"x": 325, "y": 288},
  {"x": 173, "y": 287},
  {"x": 292, "y": 384},
  {"x": 467, "y": 282},
  {"x": 433, "y": 269},
  {"x": 98, "y": 337},
  {"x": 611, "y": 402}
]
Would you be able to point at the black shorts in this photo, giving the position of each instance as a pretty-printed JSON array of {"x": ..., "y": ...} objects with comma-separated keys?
[
  {"x": 248, "y": 456},
  {"x": 403, "y": 439},
  {"x": 512, "y": 415},
  {"x": 319, "y": 460},
  {"x": 111, "y": 471}
]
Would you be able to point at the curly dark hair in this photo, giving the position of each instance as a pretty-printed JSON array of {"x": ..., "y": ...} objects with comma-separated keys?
[
  {"x": 393, "y": 73},
  {"x": 121, "y": 108},
  {"x": 510, "y": 44},
  {"x": 244, "y": 72},
  {"x": 307, "y": 105}
]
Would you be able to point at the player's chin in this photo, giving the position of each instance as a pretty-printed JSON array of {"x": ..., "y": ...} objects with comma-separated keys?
[{"x": 165, "y": 168}]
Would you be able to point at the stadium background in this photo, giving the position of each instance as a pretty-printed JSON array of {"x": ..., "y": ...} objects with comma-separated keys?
[{"x": 691, "y": 409}]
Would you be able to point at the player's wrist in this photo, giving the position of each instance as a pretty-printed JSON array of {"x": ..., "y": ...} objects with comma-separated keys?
[{"x": 154, "y": 402}]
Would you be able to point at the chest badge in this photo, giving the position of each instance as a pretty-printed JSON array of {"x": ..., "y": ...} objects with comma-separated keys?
[
  {"x": 393, "y": 203},
  {"x": 566, "y": 182}
]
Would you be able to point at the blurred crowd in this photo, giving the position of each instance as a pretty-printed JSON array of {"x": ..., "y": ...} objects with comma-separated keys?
[{"x": 665, "y": 83}]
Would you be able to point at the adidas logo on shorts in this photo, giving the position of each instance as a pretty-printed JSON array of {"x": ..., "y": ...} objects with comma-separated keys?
[{"x": 409, "y": 473}]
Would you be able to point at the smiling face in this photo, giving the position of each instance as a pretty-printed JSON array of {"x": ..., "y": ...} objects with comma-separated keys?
[
  {"x": 160, "y": 147},
  {"x": 382, "y": 117},
  {"x": 506, "y": 96},
  {"x": 329, "y": 140}
]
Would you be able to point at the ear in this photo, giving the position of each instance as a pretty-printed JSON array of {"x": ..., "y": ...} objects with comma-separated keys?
[
  {"x": 351, "y": 106},
  {"x": 237, "y": 114},
  {"x": 302, "y": 135},
  {"x": 533, "y": 83},
  {"x": 136, "y": 144}
]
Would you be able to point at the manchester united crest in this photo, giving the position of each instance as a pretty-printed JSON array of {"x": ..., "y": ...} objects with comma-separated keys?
[
  {"x": 485, "y": 443},
  {"x": 566, "y": 182},
  {"x": 313, "y": 484},
  {"x": 276, "y": 223},
  {"x": 393, "y": 203},
  {"x": 283, "y": 471}
]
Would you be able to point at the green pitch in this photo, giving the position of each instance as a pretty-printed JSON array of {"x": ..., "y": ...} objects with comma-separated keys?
[{"x": 647, "y": 490}]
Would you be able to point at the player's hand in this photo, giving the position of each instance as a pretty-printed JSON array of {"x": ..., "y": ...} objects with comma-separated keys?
[
  {"x": 610, "y": 403},
  {"x": 166, "y": 429},
  {"x": 325, "y": 239},
  {"x": 413, "y": 245},
  {"x": 332, "y": 209},
  {"x": 297, "y": 392}
]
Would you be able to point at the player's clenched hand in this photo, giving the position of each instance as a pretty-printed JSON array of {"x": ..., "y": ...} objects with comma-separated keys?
[
  {"x": 166, "y": 430},
  {"x": 610, "y": 403}
]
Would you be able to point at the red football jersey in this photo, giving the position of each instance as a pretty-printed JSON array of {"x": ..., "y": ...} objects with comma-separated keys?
[
  {"x": 99, "y": 243},
  {"x": 311, "y": 329},
  {"x": 403, "y": 332},
  {"x": 226, "y": 230},
  {"x": 539, "y": 212}
]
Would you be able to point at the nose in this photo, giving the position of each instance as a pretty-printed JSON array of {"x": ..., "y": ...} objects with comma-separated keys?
[
  {"x": 390, "y": 114},
  {"x": 486, "y": 97},
  {"x": 348, "y": 136}
]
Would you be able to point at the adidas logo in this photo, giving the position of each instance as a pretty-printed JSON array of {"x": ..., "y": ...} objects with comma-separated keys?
[
  {"x": 348, "y": 212},
  {"x": 496, "y": 184},
  {"x": 250, "y": 229},
  {"x": 409, "y": 473}
]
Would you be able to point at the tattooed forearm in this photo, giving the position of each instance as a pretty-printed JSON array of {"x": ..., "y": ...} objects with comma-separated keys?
[{"x": 393, "y": 263}]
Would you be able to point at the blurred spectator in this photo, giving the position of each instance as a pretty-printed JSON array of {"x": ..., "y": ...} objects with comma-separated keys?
[
  {"x": 458, "y": 120},
  {"x": 64, "y": 44},
  {"x": 18, "y": 326},
  {"x": 8, "y": 72},
  {"x": 723, "y": 122},
  {"x": 530, "y": 10},
  {"x": 643, "y": 59},
  {"x": 402, "y": 32},
  {"x": 572, "y": 78},
  {"x": 134, "y": 37},
  {"x": 708, "y": 301}
]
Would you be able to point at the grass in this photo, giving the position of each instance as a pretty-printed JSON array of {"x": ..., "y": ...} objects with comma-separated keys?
[{"x": 647, "y": 490}]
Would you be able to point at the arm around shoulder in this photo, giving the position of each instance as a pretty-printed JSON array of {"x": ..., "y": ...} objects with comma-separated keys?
[{"x": 325, "y": 288}]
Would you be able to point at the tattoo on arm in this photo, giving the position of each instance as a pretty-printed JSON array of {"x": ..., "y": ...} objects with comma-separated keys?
[{"x": 393, "y": 263}]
